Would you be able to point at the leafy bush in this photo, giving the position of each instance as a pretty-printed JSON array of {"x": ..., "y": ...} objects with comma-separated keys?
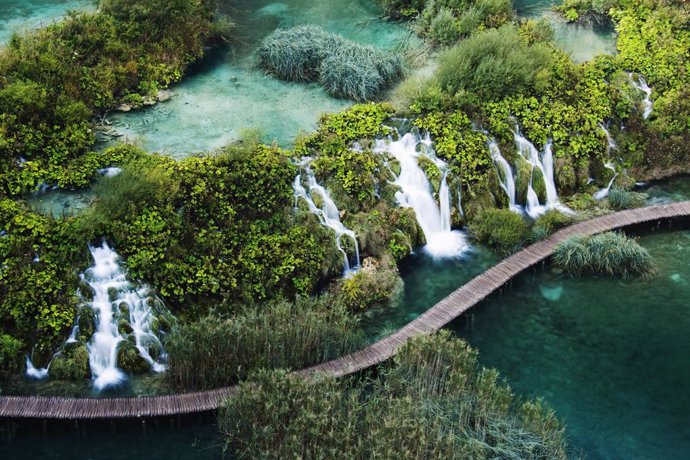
[
  {"x": 501, "y": 228},
  {"x": 432, "y": 401},
  {"x": 54, "y": 80},
  {"x": 402, "y": 9},
  {"x": 551, "y": 221},
  {"x": 10, "y": 361},
  {"x": 443, "y": 22},
  {"x": 344, "y": 68},
  {"x": 619, "y": 198},
  {"x": 491, "y": 65},
  {"x": 611, "y": 254},
  {"x": 214, "y": 351}
]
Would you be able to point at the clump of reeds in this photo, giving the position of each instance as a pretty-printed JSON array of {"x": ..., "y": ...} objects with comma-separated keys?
[
  {"x": 217, "y": 351},
  {"x": 344, "y": 68},
  {"x": 432, "y": 401},
  {"x": 612, "y": 254}
]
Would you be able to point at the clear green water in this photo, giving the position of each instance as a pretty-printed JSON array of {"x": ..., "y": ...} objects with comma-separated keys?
[
  {"x": 581, "y": 41},
  {"x": 226, "y": 94},
  {"x": 427, "y": 281},
  {"x": 668, "y": 191},
  {"x": 22, "y": 15},
  {"x": 610, "y": 356},
  {"x": 192, "y": 439}
]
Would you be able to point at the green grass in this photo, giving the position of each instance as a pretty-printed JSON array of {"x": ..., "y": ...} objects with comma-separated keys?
[
  {"x": 432, "y": 401},
  {"x": 344, "y": 68},
  {"x": 216, "y": 351},
  {"x": 612, "y": 254}
]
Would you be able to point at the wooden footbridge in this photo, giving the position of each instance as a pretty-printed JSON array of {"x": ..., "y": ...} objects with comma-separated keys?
[{"x": 434, "y": 319}]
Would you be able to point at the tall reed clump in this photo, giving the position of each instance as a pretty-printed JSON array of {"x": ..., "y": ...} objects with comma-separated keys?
[
  {"x": 432, "y": 401},
  {"x": 213, "y": 351},
  {"x": 344, "y": 68},
  {"x": 612, "y": 254}
]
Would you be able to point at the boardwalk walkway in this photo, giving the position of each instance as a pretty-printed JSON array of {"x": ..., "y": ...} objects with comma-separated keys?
[{"x": 434, "y": 319}]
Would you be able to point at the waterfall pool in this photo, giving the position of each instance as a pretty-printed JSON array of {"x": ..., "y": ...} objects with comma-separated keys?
[
  {"x": 22, "y": 15},
  {"x": 610, "y": 356}
]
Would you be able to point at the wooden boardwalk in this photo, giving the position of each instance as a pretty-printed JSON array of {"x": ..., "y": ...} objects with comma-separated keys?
[{"x": 434, "y": 319}]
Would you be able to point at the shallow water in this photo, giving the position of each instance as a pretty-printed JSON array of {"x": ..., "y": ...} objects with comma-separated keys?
[
  {"x": 668, "y": 191},
  {"x": 427, "y": 281},
  {"x": 610, "y": 356},
  {"x": 581, "y": 41},
  {"x": 225, "y": 94},
  {"x": 61, "y": 203},
  {"x": 22, "y": 15}
]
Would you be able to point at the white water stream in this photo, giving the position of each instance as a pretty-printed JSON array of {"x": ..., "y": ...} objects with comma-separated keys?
[
  {"x": 416, "y": 192},
  {"x": 111, "y": 291},
  {"x": 641, "y": 84},
  {"x": 328, "y": 215}
]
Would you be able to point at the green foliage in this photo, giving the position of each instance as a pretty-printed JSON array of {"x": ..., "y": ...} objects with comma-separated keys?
[
  {"x": 344, "y": 68},
  {"x": 215, "y": 351},
  {"x": 489, "y": 66},
  {"x": 432, "y": 402},
  {"x": 370, "y": 286},
  {"x": 458, "y": 143},
  {"x": 38, "y": 277},
  {"x": 402, "y": 9},
  {"x": 350, "y": 175},
  {"x": 10, "y": 361},
  {"x": 587, "y": 10},
  {"x": 551, "y": 221},
  {"x": 443, "y": 22},
  {"x": 620, "y": 198},
  {"x": 501, "y": 228},
  {"x": 611, "y": 254},
  {"x": 54, "y": 80},
  {"x": 72, "y": 363}
]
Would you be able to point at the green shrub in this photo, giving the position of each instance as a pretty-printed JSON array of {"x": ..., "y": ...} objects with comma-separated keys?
[
  {"x": 432, "y": 401},
  {"x": 370, "y": 286},
  {"x": 402, "y": 9},
  {"x": 72, "y": 363},
  {"x": 620, "y": 198},
  {"x": 551, "y": 221},
  {"x": 280, "y": 335},
  {"x": 344, "y": 68},
  {"x": 491, "y": 65},
  {"x": 444, "y": 29},
  {"x": 500, "y": 228},
  {"x": 10, "y": 352},
  {"x": 611, "y": 254}
]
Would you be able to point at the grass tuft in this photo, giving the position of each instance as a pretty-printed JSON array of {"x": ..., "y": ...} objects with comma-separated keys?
[{"x": 344, "y": 68}]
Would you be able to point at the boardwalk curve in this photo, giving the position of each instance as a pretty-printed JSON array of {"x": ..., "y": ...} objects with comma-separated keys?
[{"x": 429, "y": 322}]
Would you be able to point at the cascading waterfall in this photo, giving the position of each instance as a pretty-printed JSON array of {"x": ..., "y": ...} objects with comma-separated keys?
[
  {"x": 416, "y": 192},
  {"x": 604, "y": 192},
  {"x": 610, "y": 146},
  {"x": 112, "y": 292},
  {"x": 543, "y": 162},
  {"x": 505, "y": 175},
  {"x": 34, "y": 372},
  {"x": 641, "y": 84},
  {"x": 328, "y": 215}
]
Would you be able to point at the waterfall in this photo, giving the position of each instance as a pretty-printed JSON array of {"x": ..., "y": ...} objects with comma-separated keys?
[
  {"x": 35, "y": 373},
  {"x": 505, "y": 175},
  {"x": 544, "y": 163},
  {"x": 610, "y": 143},
  {"x": 604, "y": 192},
  {"x": 641, "y": 84},
  {"x": 112, "y": 291},
  {"x": 416, "y": 192},
  {"x": 328, "y": 215},
  {"x": 610, "y": 146}
]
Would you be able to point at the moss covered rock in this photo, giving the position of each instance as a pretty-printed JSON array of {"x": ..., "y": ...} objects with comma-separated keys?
[
  {"x": 129, "y": 359},
  {"x": 72, "y": 363}
]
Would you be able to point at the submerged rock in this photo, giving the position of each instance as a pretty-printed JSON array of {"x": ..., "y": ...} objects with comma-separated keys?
[{"x": 164, "y": 95}]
